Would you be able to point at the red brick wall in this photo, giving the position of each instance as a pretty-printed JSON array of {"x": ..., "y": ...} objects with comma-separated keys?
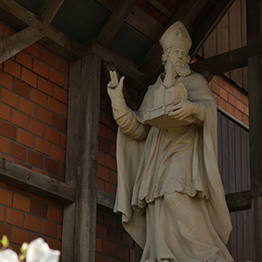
[{"x": 33, "y": 122}]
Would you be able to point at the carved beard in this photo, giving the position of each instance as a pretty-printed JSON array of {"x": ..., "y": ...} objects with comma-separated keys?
[{"x": 182, "y": 70}]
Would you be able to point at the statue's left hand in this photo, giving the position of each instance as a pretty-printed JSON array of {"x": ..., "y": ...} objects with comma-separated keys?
[
  {"x": 182, "y": 109},
  {"x": 115, "y": 87}
]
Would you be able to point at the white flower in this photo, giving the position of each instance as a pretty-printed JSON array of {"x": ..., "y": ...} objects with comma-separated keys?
[
  {"x": 39, "y": 251},
  {"x": 8, "y": 255}
]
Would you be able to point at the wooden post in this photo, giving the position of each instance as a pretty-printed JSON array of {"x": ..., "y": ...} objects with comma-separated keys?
[
  {"x": 79, "y": 220},
  {"x": 254, "y": 27}
]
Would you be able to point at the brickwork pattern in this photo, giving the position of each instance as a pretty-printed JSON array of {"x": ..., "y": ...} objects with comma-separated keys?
[
  {"x": 25, "y": 216},
  {"x": 113, "y": 244},
  {"x": 33, "y": 109},
  {"x": 231, "y": 99}
]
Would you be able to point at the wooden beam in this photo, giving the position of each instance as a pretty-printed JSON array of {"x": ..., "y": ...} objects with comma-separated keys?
[
  {"x": 115, "y": 21},
  {"x": 254, "y": 34},
  {"x": 18, "y": 42},
  {"x": 136, "y": 79},
  {"x": 34, "y": 182},
  {"x": 228, "y": 61},
  {"x": 186, "y": 13},
  {"x": 86, "y": 203},
  {"x": 105, "y": 199},
  {"x": 19, "y": 17},
  {"x": 49, "y": 10},
  {"x": 239, "y": 201},
  {"x": 208, "y": 25}
]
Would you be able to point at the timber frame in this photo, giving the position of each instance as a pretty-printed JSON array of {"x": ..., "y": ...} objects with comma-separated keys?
[{"x": 78, "y": 193}]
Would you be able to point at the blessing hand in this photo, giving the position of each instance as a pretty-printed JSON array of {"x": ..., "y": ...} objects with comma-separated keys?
[
  {"x": 182, "y": 109},
  {"x": 115, "y": 88}
]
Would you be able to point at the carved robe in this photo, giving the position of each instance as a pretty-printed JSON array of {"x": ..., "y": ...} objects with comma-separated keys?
[{"x": 169, "y": 191}]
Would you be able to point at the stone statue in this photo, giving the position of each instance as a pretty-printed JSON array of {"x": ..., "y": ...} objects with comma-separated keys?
[{"x": 169, "y": 191}]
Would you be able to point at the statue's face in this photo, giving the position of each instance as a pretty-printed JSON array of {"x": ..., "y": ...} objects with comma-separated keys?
[{"x": 178, "y": 55}]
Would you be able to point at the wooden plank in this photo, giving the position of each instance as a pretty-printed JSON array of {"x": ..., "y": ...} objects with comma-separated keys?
[
  {"x": 49, "y": 10},
  {"x": 86, "y": 203},
  {"x": 209, "y": 47},
  {"x": 16, "y": 16},
  {"x": 254, "y": 20},
  {"x": 186, "y": 13},
  {"x": 210, "y": 22},
  {"x": 115, "y": 21},
  {"x": 239, "y": 201},
  {"x": 34, "y": 182},
  {"x": 134, "y": 77},
  {"x": 229, "y": 60},
  {"x": 18, "y": 42}
]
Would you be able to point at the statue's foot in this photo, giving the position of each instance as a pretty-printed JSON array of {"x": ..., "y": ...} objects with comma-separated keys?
[{"x": 216, "y": 258}]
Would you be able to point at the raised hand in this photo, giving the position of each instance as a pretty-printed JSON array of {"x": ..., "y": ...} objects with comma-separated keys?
[{"x": 115, "y": 87}]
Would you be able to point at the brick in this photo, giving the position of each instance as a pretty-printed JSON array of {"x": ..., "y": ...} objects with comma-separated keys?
[
  {"x": 22, "y": 88},
  {"x": 221, "y": 82},
  {"x": 66, "y": 85},
  {"x": 110, "y": 220},
  {"x": 5, "y": 197},
  {"x": 132, "y": 256},
  {"x": 29, "y": 77},
  {"x": 229, "y": 109},
  {"x": 244, "y": 99},
  {"x": 10, "y": 159},
  {"x": 57, "y": 77},
  {"x": 9, "y": 31},
  {"x": 35, "y": 159},
  {"x": 32, "y": 195},
  {"x": 27, "y": 107},
  {"x": 47, "y": 56},
  {"x": 113, "y": 150},
  {"x": 45, "y": 86},
  {"x": 223, "y": 94},
  {"x": 58, "y": 153},
  {"x": 102, "y": 130},
  {"x": 49, "y": 229},
  {"x": 103, "y": 173},
  {"x": 61, "y": 94},
  {"x": 63, "y": 140},
  {"x": 237, "y": 114},
  {"x": 40, "y": 68},
  {"x": 12, "y": 68},
  {"x": 14, "y": 188},
  {"x": 44, "y": 115},
  {"x": 101, "y": 158},
  {"x": 54, "y": 244},
  {"x": 127, "y": 240},
  {"x": 100, "y": 185},
  {"x": 62, "y": 170},
  {"x": 36, "y": 127},
  {"x": 122, "y": 253},
  {"x": 221, "y": 103},
  {"x": 246, "y": 110},
  {"x": 110, "y": 162},
  {"x": 25, "y": 138},
  {"x": 21, "y": 203},
  {"x": 9, "y": 98},
  {"x": 38, "y": 209},
  {"x": 2, "y": 213},
  {"x": 104, "y": 145},
  {"x": 6, "y": 80},
  {"x": 2, "y": 29},
  {"x": 55, "y": 106},
  {"x": 109, "y": 248},
  {"x": 113, "y": 177},
  {"x": 24, "y": 59},
  {"x": 14, "y": 217},
  {"x": 52, "y": 135},
  {"x": 55, "y": 214},
  {"x": 42, "y": 146},
  {"x": 19, "y": 236},
  {"x": 114, "y": 235},
  {"x": 7, "y": 130},
  {"x": 18, "y": 151},
  {"x": 39, "y": 97},
  {"x": 99, "y": 245},
  {"x": 59, "y": 233},
  {"x": 33, "y": 50},
  {"x": 100, "y": 258},
  {"x": 19, "y": 119},
  {"x": 111, "y": 134},
  {"x": 215, "y": 88},
  {"x": 4, "y": 145},
  {"x": 52, "y": 166},
  {"x": 59, "y": 123},
  {"x": 22, "y": 164},
  {"x": 40, "y": 171},
  {"x": 110, "y": 189},
  {"x": 232, "y": 100},
  {"x": 5, "y": 230},
  {"x": 5, "y": 112},
  {"x": 34, "y": 236},
  {"x": 32, "y": 223},
  {"x": 229, "y": 88},
  {"x": 62, "y": 65},
  {"x": 237, "y": 94},
  {"x": 240, "y": 105},
  {"x": 245, "y": 120},
  {"x": 101, "y": 231}
]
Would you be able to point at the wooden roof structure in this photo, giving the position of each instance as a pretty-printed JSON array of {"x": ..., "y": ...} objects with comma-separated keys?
[{"x": 125, "y": 35}]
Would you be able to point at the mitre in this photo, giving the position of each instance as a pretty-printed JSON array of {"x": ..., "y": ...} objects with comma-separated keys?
[{"x": 176, "y": 36}]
